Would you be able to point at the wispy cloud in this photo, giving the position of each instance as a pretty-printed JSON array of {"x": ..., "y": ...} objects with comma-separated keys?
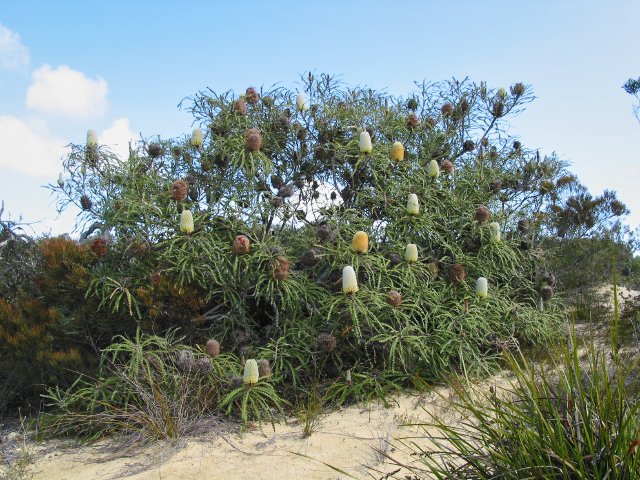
[
  {"x": 117, "y": 137},
  {"x": 66, "y": 92},
  {"x": 29, "y": 149},
  {"x": 13, "y": 54}
]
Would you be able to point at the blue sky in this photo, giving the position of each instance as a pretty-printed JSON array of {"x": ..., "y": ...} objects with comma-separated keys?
[{"x": 121, "y": 67}]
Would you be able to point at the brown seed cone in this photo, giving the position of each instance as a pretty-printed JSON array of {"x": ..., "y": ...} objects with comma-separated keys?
[
  {"x": 482, "y": 214},
  {"x": 394, "y": 259},
  {"x": 264, "y": 368},
  {"x": 464, "y": 106},
  {"x": 523, "y": 225},
  {"x": 517, "y": 145},
  {"x": 253, "y": 140},
  {"x": 430, "y": 122},
  {"x": 433, "y": 269},
  {"x": 85, "y": 202},
  {"x": 276, "y": 181},
  {"x": 155, "y": 150},
  {"x": 286, "y": 191},
  {"x": 202, "y": 366},
  {"x": 324, "y": 233},
  {"x": 498, "y": 109},
  {"x": 252, "y": 95},
  {"x": 283, "y": 122},
  {"x": 546, "y": 292},
  {"x": 495, "y": 186},
  {"x": 155, "y": 278},
  {"x": 412, "y": 121},
  {"x": 99, "y": 246},
  {"x": 267, "y": 101},
  {"x": 446, "y": 109},
  {"x": 517, "y": 89},
  {"x": 179, "y": 190},
  {"x": 281, "y": 268},
  {"x": 185, "y": 360},
  {"x": 394, "y": 298},
  {"x": 241, "y": 245},
  {"x": 212, "y": 347},
  {"x": 326, "y": 342},
  {"x": 525, "y": 245},
  {"x": 446, "y": 166},
  {"x": 468, "y": 146},
  {"x": 310, "y": 257},
  {"x": 137, "y": 247},
  {"x": 276, "y": 202},
  {"x": 458, "y": 273},
  {"x": 240, "y": 106}
]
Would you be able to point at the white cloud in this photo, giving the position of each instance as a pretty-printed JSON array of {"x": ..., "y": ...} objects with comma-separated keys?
[
  {"x": 117, "y": 137},
  {"x": 67, "y": 92},
  {"x": 13, "y": 54},
  {"x": 29, "y": 149}
]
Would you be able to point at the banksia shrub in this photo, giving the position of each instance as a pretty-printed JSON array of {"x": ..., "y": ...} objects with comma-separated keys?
[
  {"x": 179, "y": 190},
  {"x": 326, "y": 342},
  {"x": 394, "y": 298},
  {"x": 251, "y": 372},
  {"x": 360, "y": 242},
  {"x": 411, "y": 253},
  {"x": 186, "y": 221},
  {"x": 253, "y": 140},
  {"x": 482, "y": 214},
  {"x": 212, "y": 347},
  {"x": 397, "y": 151},
  {"x": 300, "y": 192},
  {"x": 241, "y": 245},
  {"x": 349, "y": 280}
]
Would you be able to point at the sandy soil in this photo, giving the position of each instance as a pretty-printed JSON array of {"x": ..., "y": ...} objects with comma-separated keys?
[{"x": 348, "y": 439}]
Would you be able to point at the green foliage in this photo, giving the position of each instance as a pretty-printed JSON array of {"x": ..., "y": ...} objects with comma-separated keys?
[{"x": 254, "y": 402}]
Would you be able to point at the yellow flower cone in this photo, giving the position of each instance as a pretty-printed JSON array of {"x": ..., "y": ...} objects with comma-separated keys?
[{"x": 360, "y": 242}]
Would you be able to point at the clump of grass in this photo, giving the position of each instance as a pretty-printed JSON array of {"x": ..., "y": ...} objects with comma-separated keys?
[
  {"x": 578, "y": 418},
  {"x": 149, "y": 385}
]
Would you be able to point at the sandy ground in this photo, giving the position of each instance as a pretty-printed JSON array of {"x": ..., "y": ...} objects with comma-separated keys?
[{"x": 348, "y": 439}]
